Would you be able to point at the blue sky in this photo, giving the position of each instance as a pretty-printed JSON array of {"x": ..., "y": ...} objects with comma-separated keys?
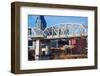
[{"x": 52, "y": 20}]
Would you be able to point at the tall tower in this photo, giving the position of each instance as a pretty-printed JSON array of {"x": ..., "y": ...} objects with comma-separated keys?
[{"x": 40, "y": 22}]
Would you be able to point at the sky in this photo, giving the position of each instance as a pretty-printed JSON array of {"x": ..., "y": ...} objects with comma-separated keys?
[{"x": 52, "y": 20}]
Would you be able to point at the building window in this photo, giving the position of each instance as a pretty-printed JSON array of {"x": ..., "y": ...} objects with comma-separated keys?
[
  {"x": 29, "y": 31},
  {"x": 30, "y": 43}
]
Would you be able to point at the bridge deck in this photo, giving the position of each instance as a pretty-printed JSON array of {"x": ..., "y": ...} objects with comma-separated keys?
[{"x": 58, "y": 37}]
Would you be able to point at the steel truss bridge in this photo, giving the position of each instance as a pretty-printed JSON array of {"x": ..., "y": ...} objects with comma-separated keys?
[{"x": 61, "y": 30}]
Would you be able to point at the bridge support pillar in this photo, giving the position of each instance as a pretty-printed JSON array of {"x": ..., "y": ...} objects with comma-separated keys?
[
  {"x": 48, "y": 48},
  {"x": 38, "y": 50}
]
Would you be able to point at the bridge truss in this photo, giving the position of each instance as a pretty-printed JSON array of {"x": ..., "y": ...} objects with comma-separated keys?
[{"x": 61, "y": 30}]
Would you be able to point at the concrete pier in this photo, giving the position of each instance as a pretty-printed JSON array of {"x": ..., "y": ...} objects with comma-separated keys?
[
  {"x": 38, "y": 50},
  {"x": 48, "y": 48}
]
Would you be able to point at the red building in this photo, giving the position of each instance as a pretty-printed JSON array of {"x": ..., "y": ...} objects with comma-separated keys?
[{"x": 80, "y": 44}]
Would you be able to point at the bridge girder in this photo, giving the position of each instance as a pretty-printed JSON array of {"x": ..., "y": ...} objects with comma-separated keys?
[{"x": 61, "y": 29}]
